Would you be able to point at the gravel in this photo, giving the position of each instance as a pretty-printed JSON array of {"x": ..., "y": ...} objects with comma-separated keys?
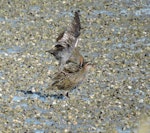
[{"x": 115, "y": 98}]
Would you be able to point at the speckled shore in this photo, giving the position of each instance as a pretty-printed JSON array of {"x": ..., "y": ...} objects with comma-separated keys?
[{"x": 116, "y": 96}]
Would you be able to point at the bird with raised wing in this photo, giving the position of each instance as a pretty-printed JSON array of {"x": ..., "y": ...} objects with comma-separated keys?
[{"x": 67, "y": 41}]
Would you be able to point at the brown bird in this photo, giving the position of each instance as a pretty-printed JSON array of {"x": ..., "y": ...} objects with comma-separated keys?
[
  {"x": 66, "y": 42},
  {"x": 73, "y": 78}
]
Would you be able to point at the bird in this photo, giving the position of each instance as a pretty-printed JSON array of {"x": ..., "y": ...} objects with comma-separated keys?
[
  {"x": 66, "y": 42},
  {"x": 73, "y": 78},
  {"x": 76, "y": 57}
]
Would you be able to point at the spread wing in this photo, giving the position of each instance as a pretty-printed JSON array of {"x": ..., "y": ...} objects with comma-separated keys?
[
  {"x": 67, "y": 41},
  {"x": 71, "y": 34},
  {"x": 75, "y": 26}
]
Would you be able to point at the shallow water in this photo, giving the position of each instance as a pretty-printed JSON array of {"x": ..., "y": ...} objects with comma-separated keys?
[{"x": 115, "y": 96}]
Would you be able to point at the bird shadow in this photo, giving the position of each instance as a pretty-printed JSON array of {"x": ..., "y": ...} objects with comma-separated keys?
[{"x": 54, "y": 96}]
